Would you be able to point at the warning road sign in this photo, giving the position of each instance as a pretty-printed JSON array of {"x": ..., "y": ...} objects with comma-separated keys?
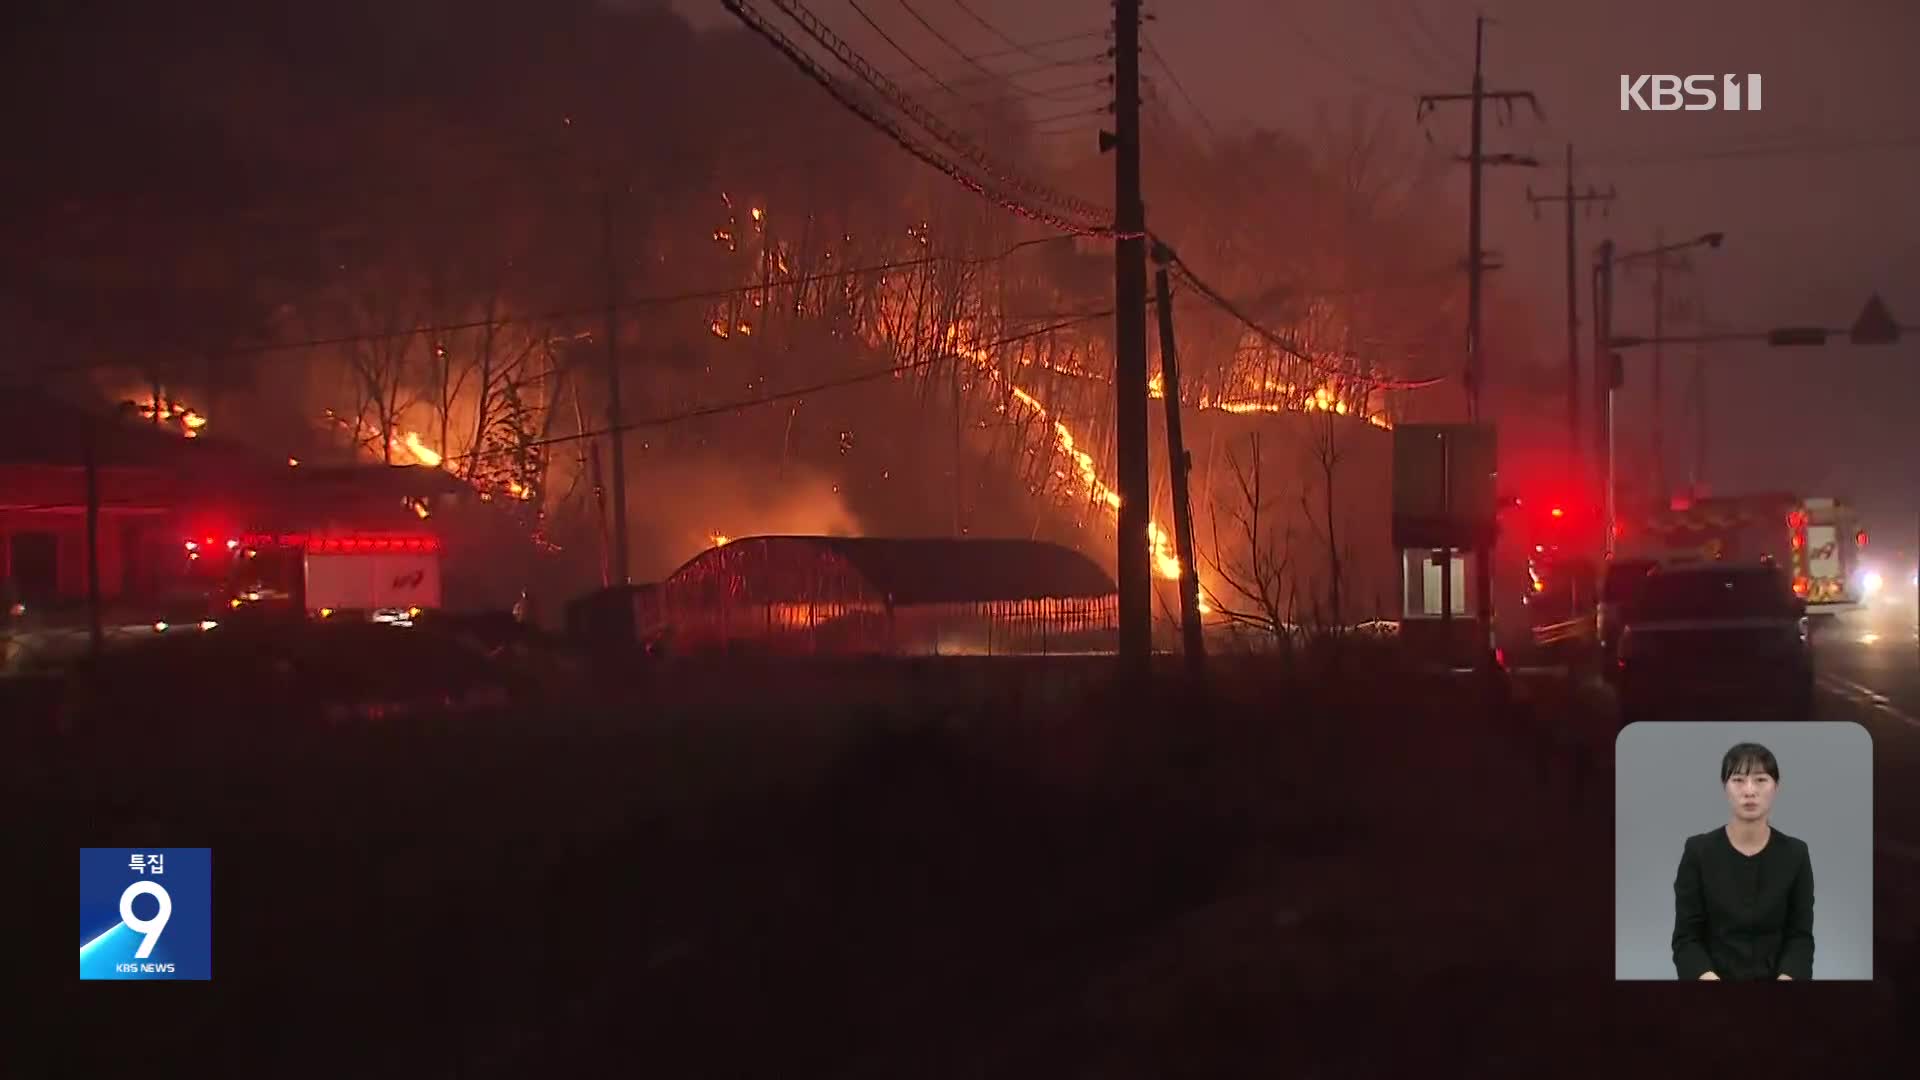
[{"x": 1875, "y": 326}]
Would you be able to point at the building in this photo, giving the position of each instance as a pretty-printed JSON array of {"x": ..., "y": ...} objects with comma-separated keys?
[
  {"x": 829, "y": 595},
  {"x": 156, "y": 491}
]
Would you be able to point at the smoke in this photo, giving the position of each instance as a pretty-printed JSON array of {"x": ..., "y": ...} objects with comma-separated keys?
[{"x": 677, "y": 509}]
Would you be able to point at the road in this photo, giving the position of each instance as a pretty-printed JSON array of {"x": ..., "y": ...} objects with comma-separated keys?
[{"x": 1868, "y": 667}]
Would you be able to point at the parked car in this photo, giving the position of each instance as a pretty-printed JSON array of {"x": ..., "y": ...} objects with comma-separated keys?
[{"x": 1714, "y": 642}]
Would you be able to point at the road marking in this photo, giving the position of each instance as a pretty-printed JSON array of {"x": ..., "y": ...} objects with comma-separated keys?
[{"x": 1861, "y": 695}]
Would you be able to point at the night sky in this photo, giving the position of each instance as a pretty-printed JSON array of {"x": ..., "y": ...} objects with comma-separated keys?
[{"x": 1814, "y": 192}]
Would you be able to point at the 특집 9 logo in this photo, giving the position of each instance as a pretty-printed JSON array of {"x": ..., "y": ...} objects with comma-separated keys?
[{"x": 134, "y": 927}]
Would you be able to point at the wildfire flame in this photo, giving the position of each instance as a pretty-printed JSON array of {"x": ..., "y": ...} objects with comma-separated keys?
[
  {"x": 188, "y": 421},
  {"x": 413, "y": 444},
  {"x": 1266, "y": 396}
]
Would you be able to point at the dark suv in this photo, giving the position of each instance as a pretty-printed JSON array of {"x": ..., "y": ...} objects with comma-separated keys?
[{"x": 1714, "y": 642}]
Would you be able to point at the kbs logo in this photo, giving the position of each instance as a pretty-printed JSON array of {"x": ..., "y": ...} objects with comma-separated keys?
[
  {"x": 1693, "y": 93},
  {"x": 146, "y": 914}
]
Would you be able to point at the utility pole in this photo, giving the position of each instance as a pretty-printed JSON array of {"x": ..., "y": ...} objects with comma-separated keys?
[
  {"x": 1477, "y": 261},
  {"x": 1606, "y": 381},
  {"x": 1664, "y": 257},
  {"x": 1130, "y": 347},
  {"x": 1179, "y": 465},
  {"x": 615, "y": 417},
  {"x": 1605, "y": 259},
  {"x": 1659, "y": 372},
  {"x": 1697, "y": 477},
  {"x": 96, "y": 639},
  {"x": 1573, "y": 304},
  {"x": 1477, "y": 264}
]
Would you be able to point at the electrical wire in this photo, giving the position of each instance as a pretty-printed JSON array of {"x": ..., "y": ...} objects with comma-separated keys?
[
  {"x": 1051, "y": 65},
  {"x": 1154, "y": 51},
  {"x": 1332, "y": 63},
  {"x": 943, "y": 39},
  {"x": 1071, "y": 114},
  {"x": 1761, "y": 151},
  {"x": 633, "y": 303},
  {"x": 1418, "y": 53},
  {"x": 1445, "y": 52},
  {"x": 905, "y": 103},
  {"x": 997, "y": 32},
  {"x": 897, "y": 47},
  {"x": 1065, "y": 95},
  {"x": 812, "y": 68},
  {"x": 1015, "y": 89},
  {"x": 1286, "y": 343},
  {"x": 785, "y": 395}
]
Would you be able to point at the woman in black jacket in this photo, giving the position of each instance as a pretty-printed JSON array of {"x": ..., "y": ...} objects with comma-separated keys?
[{"x": 1743, "y": 899}]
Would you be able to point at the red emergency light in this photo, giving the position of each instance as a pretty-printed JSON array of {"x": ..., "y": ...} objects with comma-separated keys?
[
  {"x": 338, "y": 544},
  {"x": 1558, "y": 512},
  {"x": 1860, "y": 538}
]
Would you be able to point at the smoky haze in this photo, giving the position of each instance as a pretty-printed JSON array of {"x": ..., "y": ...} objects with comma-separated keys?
[{"x": 226, "y": 181}]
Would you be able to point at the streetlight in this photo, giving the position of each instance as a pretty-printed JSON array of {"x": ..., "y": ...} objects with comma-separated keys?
[{"x": 1605, "y": 259}]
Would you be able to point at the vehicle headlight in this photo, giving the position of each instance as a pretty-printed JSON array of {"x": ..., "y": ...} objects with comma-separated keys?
[{"x": 1871, "y": 582}]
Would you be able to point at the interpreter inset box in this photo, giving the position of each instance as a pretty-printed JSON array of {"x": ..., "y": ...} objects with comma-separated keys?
[{"x": 1743, "y": 852}]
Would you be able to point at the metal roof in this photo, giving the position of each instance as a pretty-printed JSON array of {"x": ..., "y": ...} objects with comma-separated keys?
[{"x": 912, "y": 571}]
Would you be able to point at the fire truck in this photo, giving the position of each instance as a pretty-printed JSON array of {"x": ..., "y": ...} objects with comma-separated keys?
[
  {"x": 1817, "y": 541},
  {"x": 381, "y": 576}
]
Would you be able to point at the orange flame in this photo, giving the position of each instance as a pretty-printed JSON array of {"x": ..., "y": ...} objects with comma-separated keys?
[{"x": 187, "y": 421}]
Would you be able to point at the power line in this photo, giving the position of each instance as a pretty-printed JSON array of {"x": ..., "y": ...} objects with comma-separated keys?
[
  {"x": 943, "y": 39},
  {"x": 1011, "y": 89},
  {"x": 1762, "y": 151},
  {"x": 1420, "y": 20},
  {"x": 1065, "y": 94},
  {"x": 906, "y": 104},
  {"x": 1014, "y": 73},
  {"x": 1333, "y": 63},
  {"x": 1071, "y": 114},
  {"x": 784, "y": 395},
  {"x": 930, "y": 156},
  {"x": 1017, "y": 47},
  {"x": 1414, "y": 50},
  {"x": 1284, "y": 342},
  {"x": 653, "y": 300},
  {"x": 910, "y": 58},
  {"x": 1154, "y": 51}
]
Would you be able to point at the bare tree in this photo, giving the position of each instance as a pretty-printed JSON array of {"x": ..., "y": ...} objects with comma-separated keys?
[
  {"x": 1325, "y": 453},
  {"x": 1255, "y": 578}
]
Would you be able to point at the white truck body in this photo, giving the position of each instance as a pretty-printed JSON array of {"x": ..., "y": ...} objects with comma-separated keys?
[{"x": 375, "y": 581}]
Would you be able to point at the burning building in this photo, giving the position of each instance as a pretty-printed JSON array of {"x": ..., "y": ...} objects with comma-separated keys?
[
  {"x": 172, "y": 511},
  {"x": 821, "y": 595}
]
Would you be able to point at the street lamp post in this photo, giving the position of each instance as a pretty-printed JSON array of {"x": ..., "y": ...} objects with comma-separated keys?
[{"x": 1605, "y": 260}]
